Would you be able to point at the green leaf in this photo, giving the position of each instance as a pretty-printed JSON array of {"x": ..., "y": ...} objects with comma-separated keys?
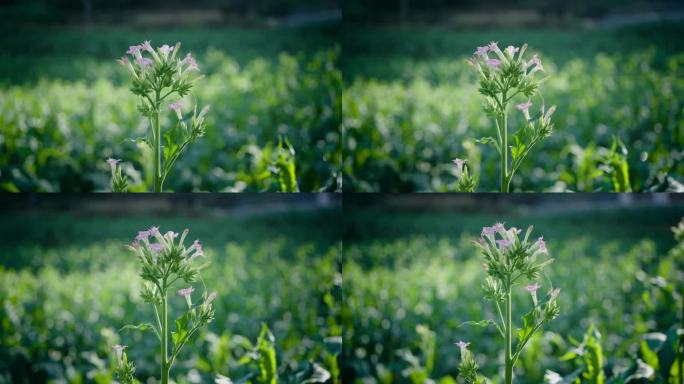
[
  {"x": 666, "y": 353},
  {"x": 266, "y": 357},
  {"x": 318, "y": 375},
  {"x": 142, "y": 327},
  {"x": 181, "y": 333},
  {"x": 525, "y": 332},
  {"x": 481, "y": 323}
]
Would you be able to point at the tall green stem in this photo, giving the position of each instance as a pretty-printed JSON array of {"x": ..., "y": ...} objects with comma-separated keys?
[
  {"x": 508, "y": 354},
  {"x": 504, "y": 151},
  {"x": 164, "y": 342},
  {"x": 157, "y": 146}
]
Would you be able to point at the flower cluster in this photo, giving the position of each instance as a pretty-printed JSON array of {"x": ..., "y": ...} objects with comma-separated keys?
[
  {"x": 509, "y": 259},
  {"x": 165, "y": 260},
  {"x": 158, "y": 74},
  {"x": 503, "y": 76},
  {"x": 160, "y": 69},
  {"x": 464, "y": 182},
  {"x": 119, "y": 181},
  {"x": 467, "y": 369},
  {"x": 162, "y": 257},
  {"x": 506, "y": 254},
  {"x": 125, "y": 370},
  {"x": 505, "y": 71}
]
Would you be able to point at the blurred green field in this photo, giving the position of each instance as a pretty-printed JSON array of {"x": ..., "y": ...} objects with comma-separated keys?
[
  {"x": 68, "y": 285},
  {"x": 412, "y": 277},
  {"x": 410, "y": 105},
  {"x": 65, "y": 107}
]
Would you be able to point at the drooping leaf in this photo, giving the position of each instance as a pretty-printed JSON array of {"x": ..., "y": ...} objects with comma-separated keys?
[{"x": 142, "y": 327}]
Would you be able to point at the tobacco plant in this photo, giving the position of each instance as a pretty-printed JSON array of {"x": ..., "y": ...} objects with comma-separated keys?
[
  {"x": 508, "y": 262},
  {"x": 165, "y": 262},
  {"x": 159, "y": 74},
  {"x": 503, "y": 77}
]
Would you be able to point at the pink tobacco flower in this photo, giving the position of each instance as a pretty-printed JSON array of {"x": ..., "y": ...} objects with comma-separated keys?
[
  {"x": 198, "y": 249},
  {"x": 488, "y": 231},
  {"x": 511, "y": 50},
  {"x": 119, "y": 351},
  {"x": 464, "y": 348},
  {"x": 503, "y": 243},
  {"x": 177, "y": 107},
  {"x": 493, "y": 46},
  {"x": 192, "y": 64},
  {"x": 112, "y": 164},
  {"x": 532, "y": 288},
  {"x": 142, "y": 236},
  {"x": 147, "y": 46},
  {"x": 537, "y": 64},
  {"x": 482, "y": 51},
  {"x": 185, "y": 292},
  {"x": 156, "y": 247},
  {"x": 499, "y": 227},
  {"x": 153, "y": 231},
  {"x": 458, "y": 164},
  {"x": 133, "y": 49},
  {"x": 144, "y": 62},
  {"x": 165, "y": 49},
  {"x": 524, "y": 106},
  {"x": 542, "y": 245},
  {"x": 493, "y": 63}
]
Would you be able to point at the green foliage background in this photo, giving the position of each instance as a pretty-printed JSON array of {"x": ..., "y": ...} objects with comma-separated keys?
[
  {"x": 412, "y": 276},
  {"x": 67, "y": 285}
]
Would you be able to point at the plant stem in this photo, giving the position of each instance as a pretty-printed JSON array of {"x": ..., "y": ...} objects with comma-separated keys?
[
  {"x": 157, "y": 147},
  {"x": 504, "y": 144},
  {"x": 164, "y": 343},
  {"x": 508, "y": 357}
]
